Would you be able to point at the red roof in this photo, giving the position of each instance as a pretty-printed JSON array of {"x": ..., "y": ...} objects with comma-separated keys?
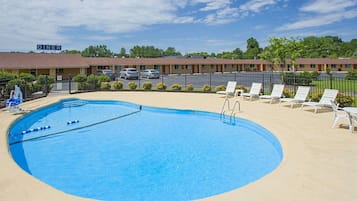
[{"x": 41, "y": 60}]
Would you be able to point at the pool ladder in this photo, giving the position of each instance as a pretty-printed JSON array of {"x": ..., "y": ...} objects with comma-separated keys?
[{"x": 227, "y": 109}]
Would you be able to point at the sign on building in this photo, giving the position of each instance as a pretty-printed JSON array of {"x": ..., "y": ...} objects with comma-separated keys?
[{"x": 48, "y": 47}]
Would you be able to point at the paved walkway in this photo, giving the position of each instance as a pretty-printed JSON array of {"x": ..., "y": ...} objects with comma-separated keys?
[{"x": 320, "y": 163}]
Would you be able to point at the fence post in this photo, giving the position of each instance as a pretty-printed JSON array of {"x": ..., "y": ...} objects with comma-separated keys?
[
  {"x": 330, "y": 81},
  {"x": 210, "y": 79},
  {"x": 46, "y": 85},
  {"x": 263, "y": 83},
  {"x": 69, "y": 84}
]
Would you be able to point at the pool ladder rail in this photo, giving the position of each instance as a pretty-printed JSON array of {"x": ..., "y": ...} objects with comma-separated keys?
[{"x": 228, "y": 110}]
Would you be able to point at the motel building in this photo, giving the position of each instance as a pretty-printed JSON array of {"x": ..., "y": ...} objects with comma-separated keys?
[{"x": 69, "y": 65}]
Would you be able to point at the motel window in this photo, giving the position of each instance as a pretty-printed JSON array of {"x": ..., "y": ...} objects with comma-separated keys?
[
  {"x": 333, "y": 66},
  {"x": 348, "y": 66},
  {"x": 251, "y": 66},
  {"x": 59, "y": 70},
  {"x": 302, "y": 66},
  {"x": 225, "y": 66},
  {"x": 33, "y": 72},
  {"x": 118, "y": 68},
  {"x": 313, "y": 66},
  {"x": 212, "y": 66},
  {"x": 102, "y": 67},
  {"x": 176, "y": 67},
  {"x": 142, "y": 67},
  {"x": 157, "y": 67}
]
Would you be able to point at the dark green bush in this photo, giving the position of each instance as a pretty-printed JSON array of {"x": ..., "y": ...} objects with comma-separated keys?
[
  {"x": 351, "y": 75},
  {"x": 80, "y": 78},
  {"x": 27, "y": 77}
]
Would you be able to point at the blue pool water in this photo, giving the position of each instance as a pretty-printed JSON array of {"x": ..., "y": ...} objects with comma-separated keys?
[{"x": 115, "y": 151}]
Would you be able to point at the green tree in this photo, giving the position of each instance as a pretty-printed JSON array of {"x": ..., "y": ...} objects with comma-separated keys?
[
  {"x": 123, "y": 53},
  {"x": 276, "y": 52},
  {"x": 253, "y": 49},
  {"x": 97, "y": 51},
  {"x": 171, "y": 51}
]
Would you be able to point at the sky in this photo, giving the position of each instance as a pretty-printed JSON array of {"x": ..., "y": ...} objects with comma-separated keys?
[{"x": 212, "y": 26}]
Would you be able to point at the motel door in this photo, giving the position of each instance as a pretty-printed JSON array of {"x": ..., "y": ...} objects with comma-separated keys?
[{"x": 319, "y": 67}]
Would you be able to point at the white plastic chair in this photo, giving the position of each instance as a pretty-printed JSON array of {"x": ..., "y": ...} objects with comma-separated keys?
[
  {"x": 338, "y": 114},
  {"x": 300, "y": 96},
  {"x": 328, "y": 96},
  {"x": 276, "y": 93},
  {"x": 230, "y": 89},
  {"x": 254, "y": 91}
]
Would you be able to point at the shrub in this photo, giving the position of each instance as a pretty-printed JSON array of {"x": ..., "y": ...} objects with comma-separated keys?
[
  {"x": 7, "y": 76},
  {"x": 105, "y": 85},
  {"x": 344, "y": 100},
  {"x": 189, "y": 87},
  {"x": 220, "y": 88},
  {"x": 27, "y": 77},
  {"x": 242, "y": 87},
  {"x": 80, "y": 78},
  {"x": 117, "y": 85},
  {"x": 103, "y": 78},
  {"x": 147, "y": 85},
  {"x": 351, "y": 75},
  {"x": 161, "y": 86},
  {"x": 92, "y": 82},
  {"x": 41, "y": 82},
  {"x": 132, "y": 85},
  {"x": 316, "y": 96},
  {"x": 287, "y": 93},
  {"x": 176, "y": 87},
  {"x": 206, "y": 88}
]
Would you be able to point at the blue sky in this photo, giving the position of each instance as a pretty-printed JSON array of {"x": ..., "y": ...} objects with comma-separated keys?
[{"x": 188, "y": 25}]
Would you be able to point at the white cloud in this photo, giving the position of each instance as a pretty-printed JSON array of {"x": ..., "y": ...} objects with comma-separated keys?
[
  {"x": 322, "y": 12},
  {"x": 323, "y": 6},
  {"x": 256, "y": 5},
  {"x": 212, "y": 4},
  {"x": 42, "y": 21}
]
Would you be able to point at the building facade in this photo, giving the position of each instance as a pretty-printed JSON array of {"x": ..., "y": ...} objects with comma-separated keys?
[{"x": 64, "y": 66}]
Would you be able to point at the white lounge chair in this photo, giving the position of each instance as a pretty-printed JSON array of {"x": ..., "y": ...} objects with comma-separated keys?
[
  {"x": 325, "y": 101},
  {"x": 276, "y": 93},
  {"x": 230, "y": 89},
  {"x": 254, "y": 91},
  {"x": 338, "y": 114},
  {"x": 300, "y": 96}
]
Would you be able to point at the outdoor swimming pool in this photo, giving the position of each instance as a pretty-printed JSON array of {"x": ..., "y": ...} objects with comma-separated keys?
[{"x": 111, "y": 150}]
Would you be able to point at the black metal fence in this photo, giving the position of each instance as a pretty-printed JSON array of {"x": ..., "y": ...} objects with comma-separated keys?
[{"x": 197, "y": 81}]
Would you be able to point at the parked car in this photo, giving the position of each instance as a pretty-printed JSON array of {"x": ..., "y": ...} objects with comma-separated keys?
[
  {"x": 129, "y": 73},
  {"x": 108, "y": 72},
  {"x": 150, "y": 73}
]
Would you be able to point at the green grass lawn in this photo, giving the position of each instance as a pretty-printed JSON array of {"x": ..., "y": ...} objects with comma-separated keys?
[
  {"x": 340, "y": 84},
  {"x": 348, "y": 87}
]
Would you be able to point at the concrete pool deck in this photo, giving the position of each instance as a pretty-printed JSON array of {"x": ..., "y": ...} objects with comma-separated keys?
[{"x": 319, "y": 163}]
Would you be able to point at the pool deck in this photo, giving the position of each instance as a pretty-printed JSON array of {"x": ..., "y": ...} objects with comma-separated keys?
[{"x": 320, "y": 162}]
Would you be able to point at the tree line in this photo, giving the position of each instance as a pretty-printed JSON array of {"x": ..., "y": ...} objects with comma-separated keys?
[{"x": 308, "y": 47}]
